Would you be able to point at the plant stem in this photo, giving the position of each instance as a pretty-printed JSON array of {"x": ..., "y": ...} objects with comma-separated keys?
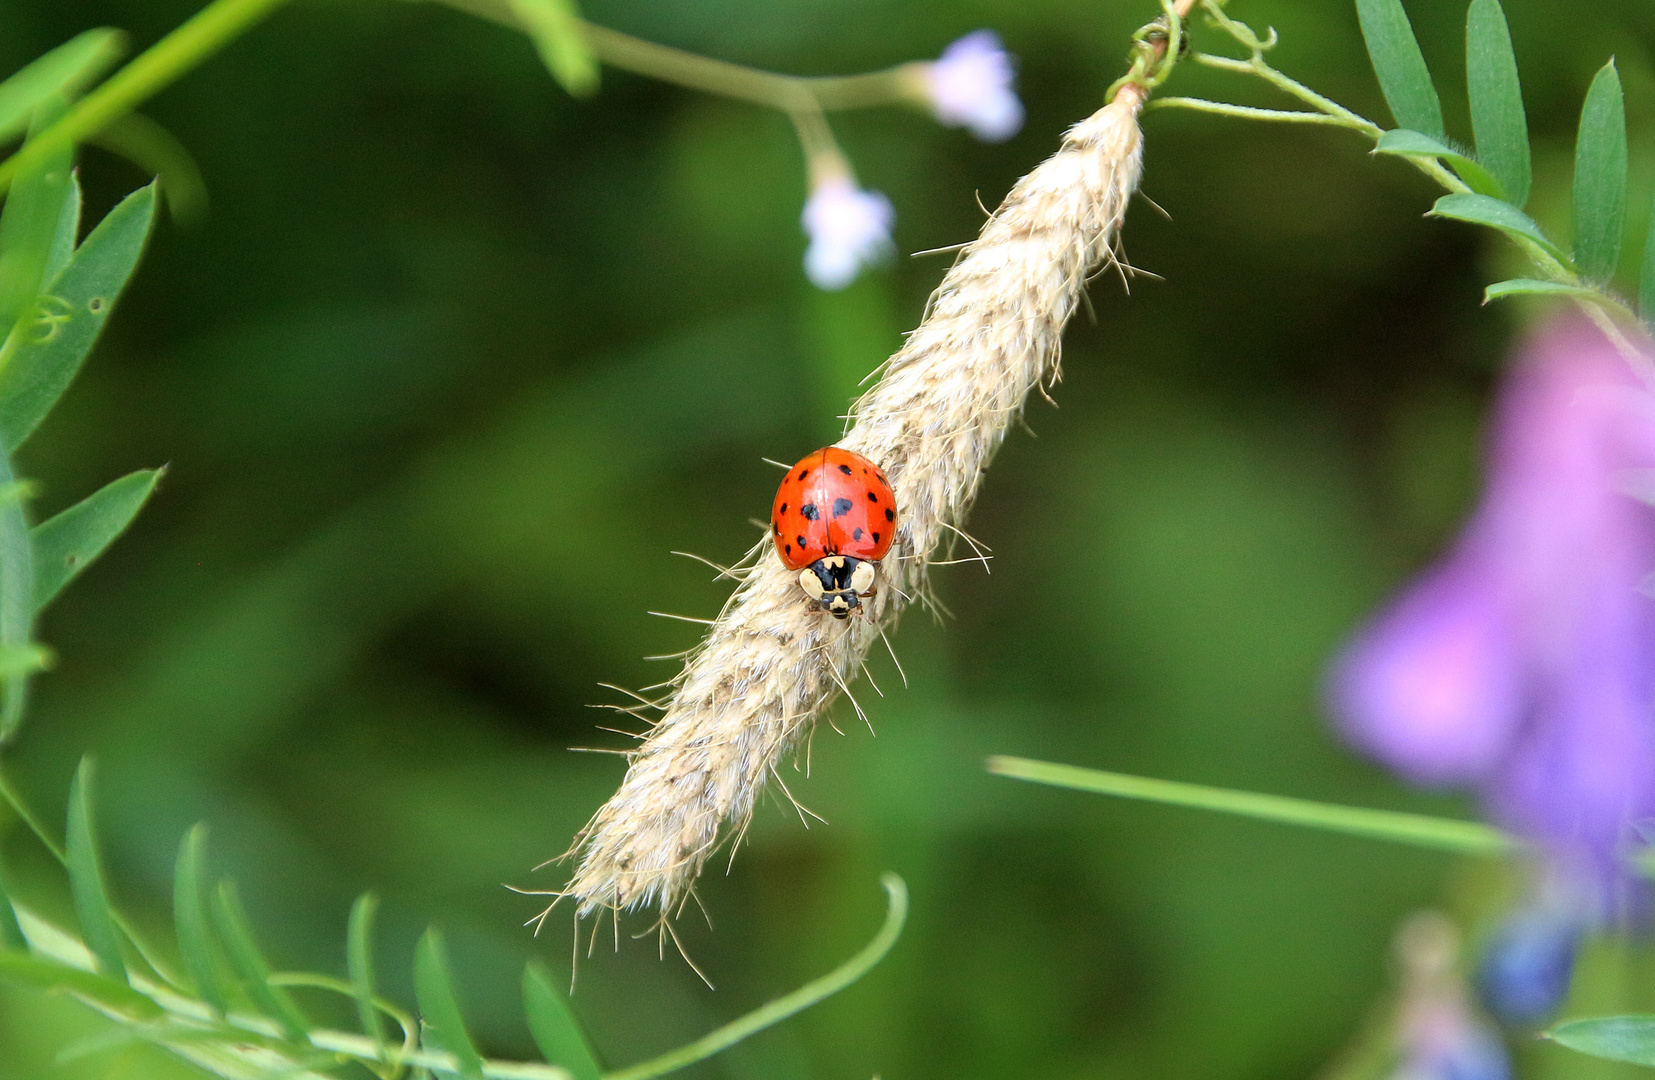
[{"x": 203, "y": 34}]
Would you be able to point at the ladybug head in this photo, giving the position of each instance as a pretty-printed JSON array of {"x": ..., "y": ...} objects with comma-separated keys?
[{"x": 837, "y": 583}]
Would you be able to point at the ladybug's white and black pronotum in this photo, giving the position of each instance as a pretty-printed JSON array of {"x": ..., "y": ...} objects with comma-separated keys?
[{"x": 833, "y": 520}]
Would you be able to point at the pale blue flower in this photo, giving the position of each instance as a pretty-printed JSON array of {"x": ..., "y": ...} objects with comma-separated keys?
[
  {"x": 971, "y": 86},
  {"x": 848, "y": 229}
]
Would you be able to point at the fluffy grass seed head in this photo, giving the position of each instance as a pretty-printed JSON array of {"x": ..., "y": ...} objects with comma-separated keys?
[{"x": 772, "y": 662}]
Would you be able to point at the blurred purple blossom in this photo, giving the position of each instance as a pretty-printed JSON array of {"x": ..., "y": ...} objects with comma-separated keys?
[
  {"x": 1523, "y": 663},
  {"x": 848, "y": 229},
  {"x": 970, "y": 86},
  {"x": 1528, "y": 962}
]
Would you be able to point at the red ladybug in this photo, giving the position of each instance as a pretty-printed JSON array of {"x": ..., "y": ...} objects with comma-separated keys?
[{"x": 833, "y": 520}]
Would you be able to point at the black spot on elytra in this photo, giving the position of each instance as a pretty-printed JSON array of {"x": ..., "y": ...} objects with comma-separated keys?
[
  {"x": 783, "y": 510},
  {"x": 803, "y": 473},
  {"x": 857, "y": 535},
  {"x": 873, "y": 496},
  {"x": 778, "y": 529},
  {"x": 787, "y": 549},
  {"x": 876, "y": 538},
  {"x": 841, "y": 507},
  {"x": 809, "y": 511},
  {"x": 890, "y": 515},
  {"x": 845, "y": 469},
  {"x": 801, "y": 541}
]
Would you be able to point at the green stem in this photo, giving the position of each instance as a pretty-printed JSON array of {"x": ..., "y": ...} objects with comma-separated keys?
[
  {"x": 805, "y": 996},
  {"x": 150, "y": 72},
  {"x": 1247, "y": 112}
]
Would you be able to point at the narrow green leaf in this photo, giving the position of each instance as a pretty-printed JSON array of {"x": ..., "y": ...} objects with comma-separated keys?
[
  {"x": 11, "y": 935},
  {"x": 1482, "y": 210},
  {"x": 1444, "y": 834},
  {"x": 1400, "y": 66},
  {"x": 444, "y": 1027},
  {"x": 41, "y": 361},
  {"x": 29, "y": 225},
  {"x": 359, "y": 959},
  {"x": 66, "y": 70},
  {"x": 1497, "y": 115},
  {"x": 26, "y": 660},
  {"x": 1531, "y": 287},
  {"x": 553, "y": 1025},
  {"x": 555, "y": 27},
  {"x": 233, "y": 929},
  {"x": 1405, "y": 143},
  {"x": 86, "y": 879},
  {"x": 67, "y": 544},
  {"x": 1618, "y": 1038},
  {"x": 1600, "y": 177},
  {"x": 49, "y": 975},
  {"x": 1646, "y": 285},
  {"x": 189, "y": 909},
  {"x": 67, "y": 233},
  {"x": 16, "y": 604},
  {"x": 896, "y": 913}
]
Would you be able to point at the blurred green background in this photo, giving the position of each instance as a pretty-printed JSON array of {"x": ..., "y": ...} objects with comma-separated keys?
[{"x": 455, "y": 362}]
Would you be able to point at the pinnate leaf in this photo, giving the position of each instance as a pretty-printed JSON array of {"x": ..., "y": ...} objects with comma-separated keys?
[
  {"x": 1405, "y": 143},
  {"x": 236, "y": 933},
  {"x": 67, "y": 232},
  {"x": 1618, "y": 1038},
  {"x": 86, "y": 877},
  {"x": 443, "y": 1025},
  {"x": 189, "y": 907},
  {"x": 16, "y": 605},
  {"x": 49, "y": 975},
  {"x": 1403, "y": 77},
  {"x": 552, "y": 1023},
  {"x": 359, "y": 959},
  {"x": 68, "y": 542},
  {"x": 1600, "y": 177},
  {"x": 1496, "y": 214},
  {"x": 1497, "y": 114}
]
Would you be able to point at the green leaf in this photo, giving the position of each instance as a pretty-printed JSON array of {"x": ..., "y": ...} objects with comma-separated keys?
[
  {"x": 16, "y": 604},
  {"x": 1400, "y": 66},
  {"x": 26, "y": 660},
  {"x": 29, "y": 225},
  {"x": 1497, "y": 114},
  {"x": 1443, "y": 834},
  {"x": 67, "y": 544},
  {"x": 86, "y": 879},
  {"x": 41, "y": 361},
  {"x": 67, "y": 232},
  {"x": 11, "y": 934},
  {"x": 1618, "y": 1038},
  {"x": 65, "y": 70},
  {"x": 250, "y": 964},
  {"x": 189, "y": 909},
  {"x": 896, "y": 913},
  {"x": 444, "y": 1027},
  {"x": 106, "y": 992},
  {"x": 555, "y": 27},
  {"x": 1646, "y": 285},
  {"x": 1531, "y": 287},
  {"x": 553, "y": 1025},
  {"x": 1405, "y": 143},
  {"x": 1482, "y": 210},
  {"x": 1600, "y": 177},
  {"x": 359, "y": 959}
]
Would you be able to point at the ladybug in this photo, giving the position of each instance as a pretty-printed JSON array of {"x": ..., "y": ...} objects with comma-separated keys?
[{"x": 833, "y": 520}]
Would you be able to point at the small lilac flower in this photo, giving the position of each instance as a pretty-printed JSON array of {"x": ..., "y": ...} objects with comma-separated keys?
[
  {"x": 1523, "y": 663},
  {"x": 1528, "y": 963},
  {"x": 848, "y": 228},
  {"x": 970, "y": 86}
]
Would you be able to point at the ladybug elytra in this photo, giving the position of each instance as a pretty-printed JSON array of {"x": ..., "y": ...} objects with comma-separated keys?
[{"x": 833, "y": 520}]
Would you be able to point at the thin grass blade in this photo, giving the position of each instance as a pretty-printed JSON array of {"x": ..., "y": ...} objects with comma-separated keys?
[
  {"x": 1497, "y": 115},
  {"x": 86, "y": 877},
  {"x": 1496, "y": 214},
  {"x": 896, "y": 913},
  {"x": 359, "y": 960},
  {"x": 1617, "y": 1038},
  {"x": 1420, "y": 830},
  {"x": 189, "y": 909},
  {"x": 44, "y": 359},
  {"x": 1600, "y": 177},
  {"x": 17, "y": 585},
  {"x": 66, "y": 70},
  {"x": 51, "y": 976},
  {"x": 67, "y": 233},
  {"x": 444, "y": 1026},
  {"x": 68, "y": 543},
  {"x": 237, "y": 936},
  {"x": 1403, "y": 77},
  {"x": 1405, "y": 143},
  {"x": 552, "y": 1023},
  {"x": 11, "y": 934},
  {"x": 555, "y": 27}
]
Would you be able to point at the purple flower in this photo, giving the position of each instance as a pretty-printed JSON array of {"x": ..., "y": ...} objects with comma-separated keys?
[
  {"x": 1523, "y": 663},
  {"x": 970, "y": 86},
  {"x": 848, "y": 229},
  {"x": 1529, "y": 961}
]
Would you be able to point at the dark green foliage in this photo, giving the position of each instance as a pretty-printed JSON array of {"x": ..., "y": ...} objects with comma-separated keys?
[
  {"x": 1497, "y": 114},
  {"x": 359, "y": 961},
  {"x": 67, "y": 68},
  {"x": 11, "y": 935},
  {"x": 442, "y": 1026},
  {"x": 107, "y": 992},
  {"x": 1496, "y": 214},
  {"x": 244, "y": 955},
  {"x": 1400, "y": 66},
  {"x": 1600, "y": 177},
  {"x": 1405, "y": 143},
  {"x": 556, "y": 1031},
  {"x": 69, "y": 542},
  {"x": 86, "y": 877}
]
